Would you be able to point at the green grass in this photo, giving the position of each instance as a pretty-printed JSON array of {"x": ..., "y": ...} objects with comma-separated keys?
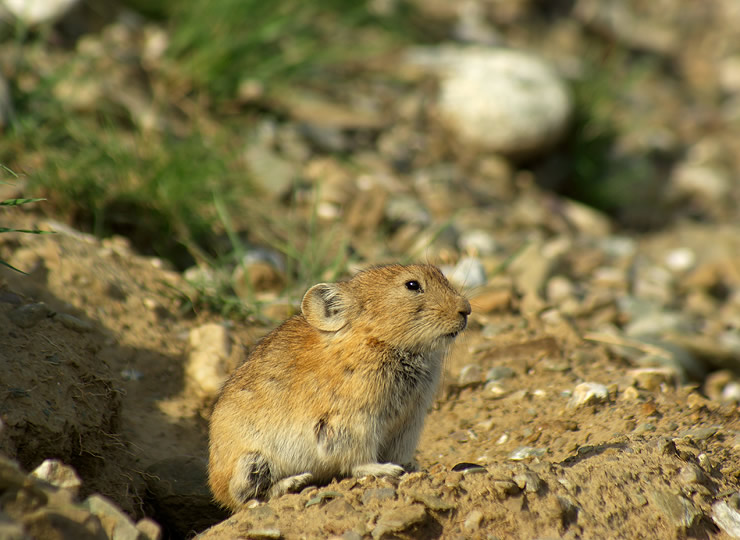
[
  {"x": 7, "y": 203},
  {"x": 182, "y": 191},
  {"x": 616, "y": 183},
  {"x": 221, "y": 45}
]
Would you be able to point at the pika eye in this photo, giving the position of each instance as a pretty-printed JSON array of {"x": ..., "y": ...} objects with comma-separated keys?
[{"x": 413, "y": 285}]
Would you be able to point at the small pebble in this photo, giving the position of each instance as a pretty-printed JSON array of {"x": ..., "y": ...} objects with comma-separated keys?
[
  {"x": 264, "y": 534},
  {"x": 323, "y": 496},
  {"x": 432, "y": 502},
  {"x": 631, "y": 394},
  {"x": 465, "y": 466},
  {"x": 645, "y": 427},
  {"x": 698, "y": 434},
  {"x": 691, "y": 474},
  {"x": 498, "y": 373},
  {"x": 29, "y": 315},
  {"x": 470, "y": 374},
  {"x": 681, "y": 259},
  {"x": 149, "y": 528},
  {"x": 726, "y": 518},
  {"x": 468, "y": 273},
  {"x": 73, "y": 323},
  {"x": 495, "y": 390},
  {"x": 588, "y": 393},
  {"x": 378, "y": 494},
  {"x": 666, "y": 447},
  {"x": 651, "y": 378},
  {"x": 473, "y": 521},
  {"x": 58, "y": 474},
  {"x": 528, "y": 481},
  {"x": 679, "y": 510},
  {"x": 526, "y": 452},
  {"x": 505, "y": 488},
  {"x": 400, "y": 519}
]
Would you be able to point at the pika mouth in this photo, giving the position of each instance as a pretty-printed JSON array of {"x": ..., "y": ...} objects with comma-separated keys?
[{"x": 453, "y": 335}]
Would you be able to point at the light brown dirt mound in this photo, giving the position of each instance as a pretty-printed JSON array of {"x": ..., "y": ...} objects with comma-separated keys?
[{"x": 99, "y": 380}]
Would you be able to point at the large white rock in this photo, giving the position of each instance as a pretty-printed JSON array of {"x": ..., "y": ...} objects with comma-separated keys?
[
  {"x": 507, "y": 101},
  {"x": 33, "y": 12}
]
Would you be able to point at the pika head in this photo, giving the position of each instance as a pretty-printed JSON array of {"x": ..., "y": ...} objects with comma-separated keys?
[
  {"x": 413, "y": 308},
  {"x": 340, "y": 389}
]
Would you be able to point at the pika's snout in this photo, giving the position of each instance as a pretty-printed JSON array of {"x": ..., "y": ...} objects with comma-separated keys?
[{"x": 464, "y": 311}]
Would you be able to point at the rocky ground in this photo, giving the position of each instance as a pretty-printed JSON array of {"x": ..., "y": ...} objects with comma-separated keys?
[{"x": 595, "y": 393}]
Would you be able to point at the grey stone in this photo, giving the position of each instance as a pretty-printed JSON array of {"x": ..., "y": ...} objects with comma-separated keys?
[
  {"x": 699, "y": 434},
  {"x": 378, "y": 494},
  {"x": 473, "y": 520},
  {"x": 477, "y": 242},
  {"x": 498, "y": 373},
  {"x": 149, "y": 529},
  {"x": 29, "y": 315},
  {"x": 264, "y": 534},
  {"x": 657, "y": 324},
  {"x": 672, "y": 355},
  {"x": 322, "y": 496},
  {"x": 705, "y": 183},
  {"x": 529, "y": 481},
  {"x": 255, "y": 274},
  {"x": 726, "y": 518},
  {"x": 559, "y": 289},
  {"x": 731, "y": 393},
  {"x": 58, "y": 474},
  {"x": 116, "y": 524},
  {"x": 645, "y": 427},
  {"x": 530, "y": 269},
  {"x": 400, "y": 519},
  {"x": 651, "y": 378},
  {"x": 679, "y": 510},
  {"x": 207, "y": 364},
  {"x": 60, "y": 523},
  {"x": 680, "y": 259},
  {"x": 432, "y": 502},
  {"x": 272, "y": 173},
  {"x": 588, "y": 393},
  {"x": 406, "y": 210},
  {"x": 468, "y": 273},
  {"x": 73, "y": 323},
  {"x": 505, "y": 488},
  {"x": 526, "y": 452},
  {"x": 692, "y": 474},
  {"x": 502, "y": 100},
  {"x": 469, "y": 375}
]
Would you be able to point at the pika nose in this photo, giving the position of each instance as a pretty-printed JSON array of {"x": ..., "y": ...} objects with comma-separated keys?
[{"x": 465, "y": 309}]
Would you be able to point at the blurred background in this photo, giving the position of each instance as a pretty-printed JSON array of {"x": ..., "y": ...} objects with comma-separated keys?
[
  {"x": 300, "y": 138},
  {"x": 572, "y": 165}
]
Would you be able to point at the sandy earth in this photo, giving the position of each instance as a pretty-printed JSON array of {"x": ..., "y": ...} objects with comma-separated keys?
[{"x": 98, "y": 381}]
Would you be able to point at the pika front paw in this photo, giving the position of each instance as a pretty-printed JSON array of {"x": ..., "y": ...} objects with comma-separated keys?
[
  {"x": 377, "y": 469},
  {"x": 291, "y": 484}
]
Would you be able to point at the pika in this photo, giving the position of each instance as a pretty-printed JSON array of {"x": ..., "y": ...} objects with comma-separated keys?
[{"x": 341, "y": 389}]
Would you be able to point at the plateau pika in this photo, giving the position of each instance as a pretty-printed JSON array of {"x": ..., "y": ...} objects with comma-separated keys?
[{"x": 340, "y": 390}]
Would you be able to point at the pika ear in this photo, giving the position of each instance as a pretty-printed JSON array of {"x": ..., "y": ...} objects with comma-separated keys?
[{"x": 325, "y": 307}]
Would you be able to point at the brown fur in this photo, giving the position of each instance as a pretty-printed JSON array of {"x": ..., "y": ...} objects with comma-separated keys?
[{"x": 341, "y": 389}]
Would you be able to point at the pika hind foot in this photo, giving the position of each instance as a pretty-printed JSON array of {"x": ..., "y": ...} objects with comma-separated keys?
[
  {"x": 378, "y": 469},
  {"x": 251, "y": 478},
  {"x": 291, "y": 484}
]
